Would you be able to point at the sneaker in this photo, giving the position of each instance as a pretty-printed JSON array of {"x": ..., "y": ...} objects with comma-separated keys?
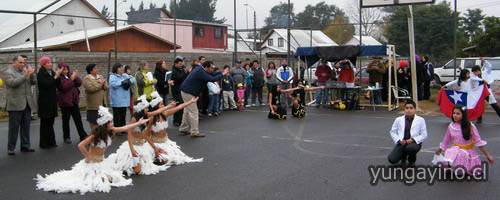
[
  {"x": 210, "y": 115},
  {"x": 67, "y": 141},
  {"x": 247, "y": 106},
  {"x": 262, "y": 104},
  {"x": 216, "y": 114},
  {"x": 253, "y": 105}
]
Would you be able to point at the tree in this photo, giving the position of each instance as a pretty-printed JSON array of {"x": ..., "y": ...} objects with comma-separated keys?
[
  {"x": 433, "y": 25},
  {"x": 132, "y": 9},
  {"x": 472, "y": 23},
  {"x": 141, "y": 6},
  {"x": 164, "y": 6},
  {"x": 152, "y": 5},
  {"x": 371, "y": 18},
  {"x": 197, "y": 10},
  {"x": 338, "y": 31},
  {"x": 278, "y": 17},
  {"x": 318, "y": 16},
  {"x": 489, "y": 40},
  {"x": 105, "y": 12}
]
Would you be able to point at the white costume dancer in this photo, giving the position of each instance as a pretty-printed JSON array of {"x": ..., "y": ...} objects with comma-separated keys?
[
  {"x": 173, "y": 154},
  {"x": 90, "y": 174},
  {"x": 123, "y": 160}
]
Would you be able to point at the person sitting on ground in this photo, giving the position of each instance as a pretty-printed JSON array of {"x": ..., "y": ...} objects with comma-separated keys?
[
  {"x": 465, "y": 136},
  {"x": 299, "y": 98},
  {"x": 408, "y": 133},
  {"x": 276, "y": 110}
]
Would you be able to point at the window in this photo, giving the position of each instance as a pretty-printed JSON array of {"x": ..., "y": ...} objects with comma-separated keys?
[
  {"x": 281, "y": 42},
  {"x": 270, "y": 42},
  {"x": 469, "y": 63},
  {"x": 495, "y": 64},
  {"x": 199, "y": 32},
  {"x": 450, "y": 64},
  {"x": 218, "y": 33}
]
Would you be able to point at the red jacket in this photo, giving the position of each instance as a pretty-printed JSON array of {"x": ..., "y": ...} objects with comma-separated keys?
[
  {"x": 346, "y": 76},
  {"x": 67, "y": 91},
  {"x": 324, "y": 73}
]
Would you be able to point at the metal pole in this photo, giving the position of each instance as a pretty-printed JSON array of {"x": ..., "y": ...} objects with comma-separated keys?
[
  {"x": 360, "y": 63},
  {"x": 455, "y": 42},
  {"x": 235, "y": 37},
  {"x": 35, "y": 41},
  {"x": 175, "y": 29},
  {"x": 311, "y": 38},
  {"x": 254, "y": 31},
  {"x": 288, "y": 33},
  {"x": 411, "y": 36},
  {"x": 116, "y": 30}
]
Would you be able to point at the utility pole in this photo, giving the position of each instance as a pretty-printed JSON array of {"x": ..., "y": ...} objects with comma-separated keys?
[
  {"x": 254, "y": 31},
  {"x": 235, "y": 37},
  {"x": 175, "y": 29},
  {"x": 288, "y": 33},
  {"x": 411, "y": 36},
  {"x": 455, "y": 42},
  {"x": 116, "y": 30}
]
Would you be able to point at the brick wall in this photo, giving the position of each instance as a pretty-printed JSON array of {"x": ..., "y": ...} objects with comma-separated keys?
[{"x": 79, "y": 60}]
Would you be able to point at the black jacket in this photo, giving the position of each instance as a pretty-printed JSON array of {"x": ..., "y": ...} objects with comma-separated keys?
[
  {"x": 258, "y": 77},
  {"x": 428, "y": 68},
  {"x": 227, "y": 83},
  {"x": 161, "y": 85},
  {"x": 178, "y": 76},
  {"x": 47, "y": 96}
]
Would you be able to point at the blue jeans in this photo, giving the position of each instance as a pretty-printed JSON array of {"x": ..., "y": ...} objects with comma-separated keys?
[
  {"x": 320, "y": 93},
  {"x": 213, "y": 105},
  {"x": 376, "y": 97},
  {"x": 248, "y": 91}
]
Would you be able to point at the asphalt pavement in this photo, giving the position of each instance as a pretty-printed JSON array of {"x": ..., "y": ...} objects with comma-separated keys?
[{"x": 325, "y": 155}]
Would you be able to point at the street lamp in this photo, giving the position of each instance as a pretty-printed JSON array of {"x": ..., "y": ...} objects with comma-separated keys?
[{"x": 254, "y": 26}]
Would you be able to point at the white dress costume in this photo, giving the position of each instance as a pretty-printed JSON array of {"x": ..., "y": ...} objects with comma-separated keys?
[
  {"x": 174, "y": 154},
  {"x": 94, "y": 176},
  {"x": 123, "y": 160}
]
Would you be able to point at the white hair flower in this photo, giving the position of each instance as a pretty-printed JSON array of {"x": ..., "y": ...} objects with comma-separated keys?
[
  {"x": 156, "y": 99},
  {"x": 142, "y": 104},
  {"x": 104, "y": 116}
]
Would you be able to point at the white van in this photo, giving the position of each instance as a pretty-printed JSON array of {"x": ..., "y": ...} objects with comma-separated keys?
[{"x": 445, "y": 74}]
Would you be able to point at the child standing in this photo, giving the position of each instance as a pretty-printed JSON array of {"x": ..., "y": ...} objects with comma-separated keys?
[
  {"x": 227, "y": 91},
  {"x": 213, "y": 94},
  {"x": 240, "y": 92}
]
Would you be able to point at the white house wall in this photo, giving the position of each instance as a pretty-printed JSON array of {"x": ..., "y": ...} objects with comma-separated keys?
[{"x": 51, "y": 26}]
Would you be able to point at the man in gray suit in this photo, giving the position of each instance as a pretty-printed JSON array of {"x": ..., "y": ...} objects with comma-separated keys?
[{"x": 19, "y": 102}]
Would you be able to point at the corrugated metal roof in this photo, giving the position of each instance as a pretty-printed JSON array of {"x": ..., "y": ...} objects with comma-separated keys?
[
  {"x": 21, "y": 21},
  {"x": 367, "y": 40},
  {"x": 73, "y": 37}
]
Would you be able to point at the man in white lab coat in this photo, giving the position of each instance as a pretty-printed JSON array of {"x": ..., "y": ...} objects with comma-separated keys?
[{"x": 408, "y": 132}]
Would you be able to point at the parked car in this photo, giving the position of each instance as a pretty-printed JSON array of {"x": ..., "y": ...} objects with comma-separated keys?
[
  {"x": 364, "y": 77},
  {"x": 445, "y": 74}
]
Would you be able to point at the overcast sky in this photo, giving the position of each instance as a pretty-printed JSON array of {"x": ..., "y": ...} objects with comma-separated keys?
[{"x": 262, "y": 7}]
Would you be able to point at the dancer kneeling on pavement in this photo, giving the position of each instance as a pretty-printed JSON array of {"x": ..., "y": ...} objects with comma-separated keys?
[
  {"x": 173, "y": 154},
  {"x": 133, "y": 156},
  {"x": 465, "y": 136},
  {"x": 276, "y": 110},
  {"x": 90, "y": 174},
  {"x": 299, "y": 98},
  {"x": 408, "y": 132}
]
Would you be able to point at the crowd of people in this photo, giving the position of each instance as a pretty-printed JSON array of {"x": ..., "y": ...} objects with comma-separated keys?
[{"x": 198, "y": 90}]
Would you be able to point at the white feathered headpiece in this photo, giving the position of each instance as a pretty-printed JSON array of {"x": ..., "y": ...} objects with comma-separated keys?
[
  {"x": 156, "y": 99},
  {"x": 142, "y": 104},
  {"x": 104, "y": 116}
]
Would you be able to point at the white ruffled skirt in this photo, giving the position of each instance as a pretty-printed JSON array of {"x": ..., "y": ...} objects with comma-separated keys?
[
  {"x": 174, "y": 154},
  {"x": 82, "y": 178},
  {"x": 123, "y": 161}
]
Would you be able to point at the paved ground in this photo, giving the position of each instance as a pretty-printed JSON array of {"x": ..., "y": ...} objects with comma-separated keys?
[{"x": 323, "y": 156}]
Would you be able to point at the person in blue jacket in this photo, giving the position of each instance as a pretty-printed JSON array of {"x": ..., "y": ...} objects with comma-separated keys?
[
  {"x": 191, "y": 88},
  {"x": 119, "y": 93}
]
